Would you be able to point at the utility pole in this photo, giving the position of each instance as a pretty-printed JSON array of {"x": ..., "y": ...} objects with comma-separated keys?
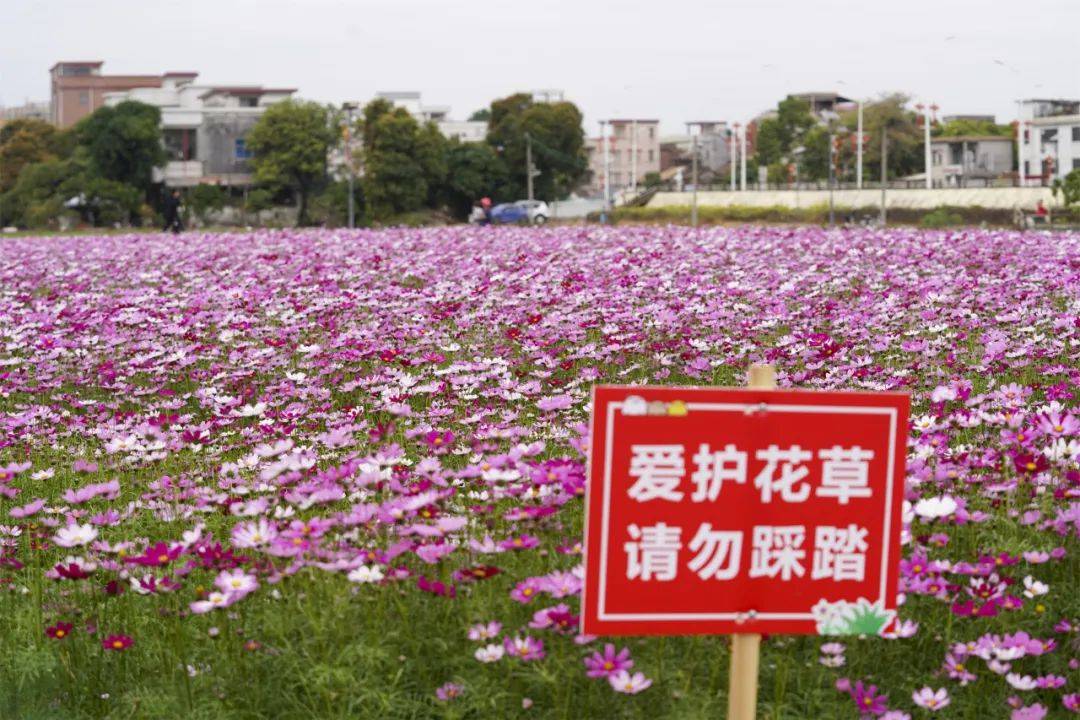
[
  {"x": 742, "y": 160},
  {"x": 1019, "y": 144},
  {"x": 528, "y": 167},
  {"x": 694, "y": 178},
  {"x": 858, "y": 151},
  {"x": 349, "y": 108},
  {"x": 734, "y": 154},
  {"x": 884, "y": 175},
  {"x": 926, "y": 145},
  {"x": 633, "y": 157},
  {"x": 607, "y": 169},
  {"x": 832, "y": 177}
]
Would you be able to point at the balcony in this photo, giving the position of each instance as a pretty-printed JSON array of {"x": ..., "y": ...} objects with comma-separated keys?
[{"x": 180, "y": 173}]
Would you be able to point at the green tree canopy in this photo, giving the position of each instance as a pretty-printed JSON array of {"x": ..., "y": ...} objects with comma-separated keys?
[
  {"x": 558, "y": 143},
  {"x": 27, "y": 141},
  {"x": 123, "y": 143},
  {"x": 957, "y": 128},
  {"x": 778, "y": 137},
  {"x": 290, "y": 142},
  {"x": 404, "y": 163},
  {"x": 474, "y": 170},
  {"x": 905, "y": 136}
]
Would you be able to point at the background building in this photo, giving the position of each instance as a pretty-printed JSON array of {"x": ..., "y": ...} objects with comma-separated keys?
[
  {"x": 1051, "y": 139},
  {"x": 634, "y": 152},
  {"x": 410, "y": 101},
  {"x": 971, "y": 160},
  {"x": 78, "y": 88},
  {"x": 204, "y": 127},
  {"x": 26, "y": 111}
]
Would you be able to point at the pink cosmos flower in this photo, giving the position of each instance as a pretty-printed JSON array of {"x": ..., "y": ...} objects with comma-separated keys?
[
  {"x": 930, "y": 699},
  {"x": 449, "y": 691},
  {"x": 524, "y": 648},
  {"x": 485, "y": 631},
  {"x": 623, "y": 682}
]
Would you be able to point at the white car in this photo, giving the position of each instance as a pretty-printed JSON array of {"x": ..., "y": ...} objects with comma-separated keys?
[{"x": 535, "y": 210}]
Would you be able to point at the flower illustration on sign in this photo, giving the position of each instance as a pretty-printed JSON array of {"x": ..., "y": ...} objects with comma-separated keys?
[
  {"x": 861, "y": 617},
  {"x": 634, "y": 405}
]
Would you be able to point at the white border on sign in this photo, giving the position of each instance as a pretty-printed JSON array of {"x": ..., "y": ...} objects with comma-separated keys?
[{"x": 742, "y": 408}]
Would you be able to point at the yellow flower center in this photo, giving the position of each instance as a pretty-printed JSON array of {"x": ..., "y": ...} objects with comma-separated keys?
[
  {"x": 60, "y": 633},
  {"x": 118, "y": 644}
]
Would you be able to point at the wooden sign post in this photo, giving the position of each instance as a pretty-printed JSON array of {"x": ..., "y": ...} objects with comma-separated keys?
[
  {"x": 746, "y": 647},
  {"x": 742, "y": 511}
]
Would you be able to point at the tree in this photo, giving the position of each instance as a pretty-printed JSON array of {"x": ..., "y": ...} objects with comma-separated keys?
[
  {"x": 558, "y": 145},
  {"x": 956, "y": 128},
  {"x": 289, "y": 145},
  {"x": 405, "y": 164},
  {"x": 123, "y": 143},
  {"x": 1069, "y": 188},
  {"x": 23, "y": 142},
  {"x": 474, "y": 170},
  {"x": 905, "y": 136},
  {"x": 394, "y": 177},
  {"x": 481, "y": 115},
  {"x": 778, "y": 137}
]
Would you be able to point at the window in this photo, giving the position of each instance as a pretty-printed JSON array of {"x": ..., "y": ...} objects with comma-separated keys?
[
  {"x": 84, "y": 97},
  {"x": 1076, "y": 133},
  {"x": 1076, "y": 163},
  {"x": 651, "y": 132},
  {"x": 180, "y": 143},
  {"x": 1049, "y": 136},
  {"x": 650, "y": 156},
  {"x": 242, "y": 152},
  {"x": 74, "y": 70},
  {"x": 249, "y": 101}
]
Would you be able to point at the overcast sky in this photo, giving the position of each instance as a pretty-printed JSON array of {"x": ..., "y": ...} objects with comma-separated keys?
[{"x": 674, "y": 60}]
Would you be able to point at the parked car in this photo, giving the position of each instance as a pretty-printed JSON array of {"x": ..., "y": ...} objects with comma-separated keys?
[
  {"x": 533, "y": 212},
  {"x": 537, "y": 211}
]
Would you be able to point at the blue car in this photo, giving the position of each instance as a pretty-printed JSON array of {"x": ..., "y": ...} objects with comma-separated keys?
[{"x": 508, "y": 213}]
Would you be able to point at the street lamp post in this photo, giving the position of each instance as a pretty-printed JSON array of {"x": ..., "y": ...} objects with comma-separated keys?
[
  {"x": 858, "y": 151},
  {"x": 694, "y": 178},
  {"x": 734, "y": 154},
  {"x": 349, "y": 107}
]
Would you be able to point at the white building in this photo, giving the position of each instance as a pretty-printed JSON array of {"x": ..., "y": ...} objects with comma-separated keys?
[
  {"x": 463, "y": 130},
  {"x": 26, "y": 111},
  {"x": 1051, "y": 139},
  {"x": 204, "y": 127}
]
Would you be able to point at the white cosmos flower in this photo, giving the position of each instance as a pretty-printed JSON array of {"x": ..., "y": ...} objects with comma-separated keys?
[
  {"x": 74, "y": 535},
  {"x": 1033, "y": 588},
  {"x": 366, "y": 574},
  {"x": 935, "y": 507},
  {"x": 489, "y": 653},
  {"x": 252, "y": 410},
  {"x": 1021, "y": 682}
]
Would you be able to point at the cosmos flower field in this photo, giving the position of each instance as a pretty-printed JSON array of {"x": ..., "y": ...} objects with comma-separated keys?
[{"x": 340, "y": 475}]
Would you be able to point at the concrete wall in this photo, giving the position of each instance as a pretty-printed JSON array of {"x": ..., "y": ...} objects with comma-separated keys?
[{"x": 970, "y": 197}]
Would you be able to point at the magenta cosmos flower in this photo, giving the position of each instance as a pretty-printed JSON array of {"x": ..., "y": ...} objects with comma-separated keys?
[
  {"x": 117, "y": 643},
  {"x": 868, "y": 700},
  {"x": 609, "y": 662}
]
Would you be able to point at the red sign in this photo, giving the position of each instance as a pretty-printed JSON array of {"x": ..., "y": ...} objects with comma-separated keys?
[{"x": 720, "y": 511}]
